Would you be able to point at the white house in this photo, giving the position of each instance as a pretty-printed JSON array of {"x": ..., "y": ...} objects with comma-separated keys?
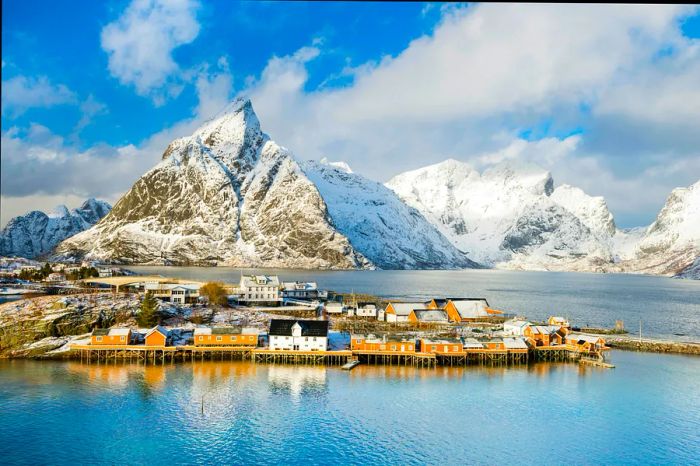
[
  {"x": 300, "y": 290},
  {"x": 366, "y": 310},
  {"x": 258, "y": 289},
  {"x": 298, "y": 335},
  {"x": 399, "y": 312},
  {"x": 515, "y": 327},
  {"x": 180, "y": 293},
  {"x": 334, "y": 307},
  {"x": 104, "y": 272}
]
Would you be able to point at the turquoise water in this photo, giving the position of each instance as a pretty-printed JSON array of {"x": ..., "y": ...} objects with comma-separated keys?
[
  {"x": 646, "y": 411},
  {"x": 667, "y": 307}
]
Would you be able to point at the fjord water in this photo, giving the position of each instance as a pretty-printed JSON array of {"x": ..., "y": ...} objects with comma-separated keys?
[
  {"x": 646, "y": 411},
  {"x": 667, "y": 307}
]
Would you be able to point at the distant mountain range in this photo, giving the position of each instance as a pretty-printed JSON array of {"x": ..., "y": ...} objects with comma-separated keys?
[
  {"x": 511, "y": 216},
  {"x": 37, "y": 233},
  {"x": 229, "y": 195}
]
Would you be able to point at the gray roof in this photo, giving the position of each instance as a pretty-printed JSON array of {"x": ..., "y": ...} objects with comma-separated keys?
[{"x": 431, "y": 315}]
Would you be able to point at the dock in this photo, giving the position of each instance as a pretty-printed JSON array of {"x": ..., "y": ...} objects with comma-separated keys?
[
  {"x": 351, "y": 365},
  {"x": 348, "y": 359}
]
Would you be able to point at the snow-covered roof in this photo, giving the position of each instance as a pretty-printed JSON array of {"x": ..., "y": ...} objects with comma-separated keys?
[
  {"x": 472, "y": 343},
  {"x": 404, "y": 309},
  {"x": 471, "y": 308},
  {"x": 515, "y": 343},
  {"x": 430, "y": 315},
  {"x": 297, "y": 286},
  {"x": 202, "y": 331},
  {"x": 160, "y": 329},
  {"x": 259, "y": 280},
  {"x": 117, "y": 332},
  {"x": 581, "y": 337},
  {"x": 544, "y": 329}
]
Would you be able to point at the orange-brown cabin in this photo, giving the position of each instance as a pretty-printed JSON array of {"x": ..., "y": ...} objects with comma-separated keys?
[
  {"x": 225, "y": 336},
  {"x": 441, "y": 346},
  {"x": 383, "y": 343},
  {"x": 157, "y": 336},
  {"x": 111, "y": 336},
  {"x": 494, "y": 344},
  {"x": 587, "y": 343},
  {"x": 543, "y": 335}
]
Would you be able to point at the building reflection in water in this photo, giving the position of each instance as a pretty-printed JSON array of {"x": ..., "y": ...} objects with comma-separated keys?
[{"x": 296, "y": 380}]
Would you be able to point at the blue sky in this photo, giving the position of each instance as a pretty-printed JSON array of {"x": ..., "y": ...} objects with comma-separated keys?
[{"x": 605, "y": 97}]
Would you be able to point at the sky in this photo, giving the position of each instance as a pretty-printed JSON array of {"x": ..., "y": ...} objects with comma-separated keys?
[{"x": 606, "y": 97}]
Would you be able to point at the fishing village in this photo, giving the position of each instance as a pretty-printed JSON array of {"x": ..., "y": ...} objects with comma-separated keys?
[{"x": 265, "y": 320}]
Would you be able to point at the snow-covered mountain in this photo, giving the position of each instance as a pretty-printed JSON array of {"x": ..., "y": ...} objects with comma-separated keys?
[
  {"x": 230, "y": 195},
  {"x": 671, "y": 245},
  {"x": 37, "y": 233},
  {"x": 511, "y": 216}
]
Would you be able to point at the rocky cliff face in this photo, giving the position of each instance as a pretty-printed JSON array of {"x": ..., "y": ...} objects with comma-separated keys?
[
  {"x": 230, "y": 195},
  {"x": 512, "y": 217},
  {"x": 37, "y": 233}
]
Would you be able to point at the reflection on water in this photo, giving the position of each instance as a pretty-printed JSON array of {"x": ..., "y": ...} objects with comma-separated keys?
[
  {"x": 296, "y": 379},
  {"x": 644, "y": 411}
]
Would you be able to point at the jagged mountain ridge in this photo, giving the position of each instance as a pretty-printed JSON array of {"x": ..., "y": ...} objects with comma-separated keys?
[
  {"x": 511, "y": 216},
  {"x": 230, "y": 195},
  {"x": 37, "y": 233}
]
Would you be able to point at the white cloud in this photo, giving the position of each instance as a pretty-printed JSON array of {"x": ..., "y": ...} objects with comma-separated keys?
[
  {"x": 141, "y": 41},
  {"x": 21, "y": 93},
  {"x": 491, "y": 70}
]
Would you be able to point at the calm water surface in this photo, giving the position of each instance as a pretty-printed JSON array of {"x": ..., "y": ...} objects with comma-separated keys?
[
  {"x": 646, "y": 411},
  {"x": 667, "y": 307}
]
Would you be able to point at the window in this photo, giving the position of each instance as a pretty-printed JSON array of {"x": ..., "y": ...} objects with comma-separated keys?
[
  {"x": 99, "y": 338},
  {"x": 122, "y": 338},
  {"x": 201, "y": 338},
  {"x": 233, "y": 337},
  {"x": 434, "y": 347},
  {"x": 393, "y": 347},
  {"x": 218, "y": 338},
  {"x": 251, "y": 338}
]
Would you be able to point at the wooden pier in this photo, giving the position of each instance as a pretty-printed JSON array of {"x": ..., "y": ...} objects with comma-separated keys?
[
  {"x": 490, "y": 357},
  {"x": 393, "y": 358}
]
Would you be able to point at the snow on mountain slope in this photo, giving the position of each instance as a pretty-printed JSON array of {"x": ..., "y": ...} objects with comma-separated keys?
[
  {"x": 37, "y": 233},
  {"x": 230, "y": 195},
  {"x": 365, "y": 210},
  {"x": 511, "y": 216},
  {"x": 506, "y": 213}
]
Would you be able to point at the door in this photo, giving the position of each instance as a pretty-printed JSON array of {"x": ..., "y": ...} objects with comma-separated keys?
[
  {"x": 296, "y": 348},
  {"x": 403, "y": 348}
]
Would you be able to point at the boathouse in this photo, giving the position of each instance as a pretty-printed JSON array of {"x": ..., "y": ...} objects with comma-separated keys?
[
  {"x": 225, "y": 336},
  {"x": 468, "y": 309},
  {"x": 111, "y": 336},
  {"x": 515, "y": 344},
  {"x": 452, "y": 345},
  {"x": 586, "y": 343},
  {"x": 157, "y": 336},
  {"x": 494, "y": 344},
  {"x": 472, "y": 344},
  {"x": 381, "y": 343},
  {"x": 298, "y": 335},
  {"x": 428, "y": 316},
  {"x": 543, "y": 335},
  {"x": 399, "y": 312}
]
